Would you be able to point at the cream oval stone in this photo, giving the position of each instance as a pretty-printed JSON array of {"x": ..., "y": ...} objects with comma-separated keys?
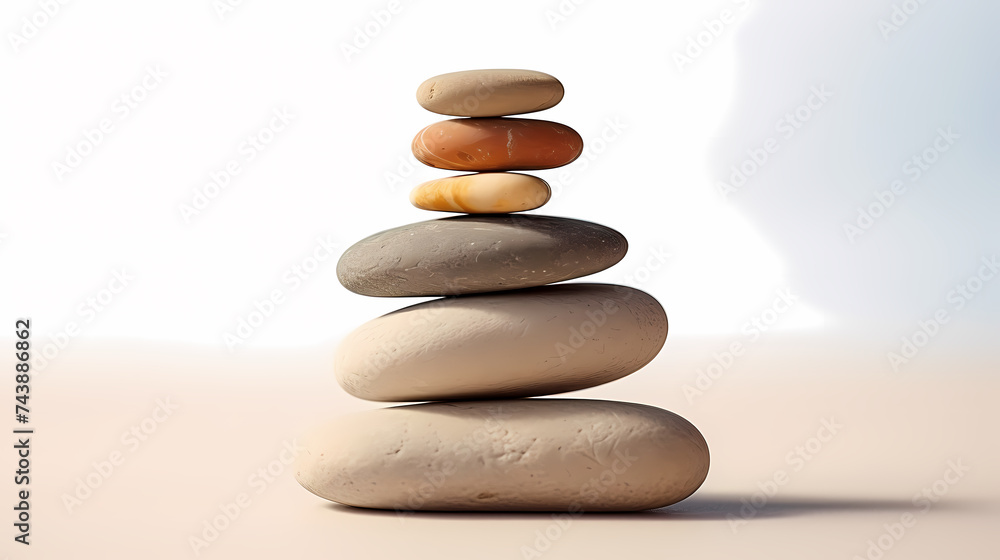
[
  {"x": 519, "y": 455},
  {"x": 482, "y": 193},
  {"x": 522, "y": 343},
  {"x": 489, "y": 93}
]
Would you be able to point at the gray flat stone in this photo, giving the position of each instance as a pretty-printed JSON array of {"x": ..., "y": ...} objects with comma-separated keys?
[{"x": 474, "y": 254}]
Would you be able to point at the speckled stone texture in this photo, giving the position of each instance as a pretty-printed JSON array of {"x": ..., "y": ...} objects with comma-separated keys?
[
  {"x": 538, "y": 341},
  {"x": 520, "y": 455},
  {"x": 472, "y": 254},
  {"x": 489, "y": 93}
]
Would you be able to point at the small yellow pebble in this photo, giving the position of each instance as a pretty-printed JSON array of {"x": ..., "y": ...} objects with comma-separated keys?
[{"x": 482, "y": 193}]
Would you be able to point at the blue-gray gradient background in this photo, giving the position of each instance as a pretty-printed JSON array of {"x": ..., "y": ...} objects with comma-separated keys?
[{"x": 893, "y": 91}]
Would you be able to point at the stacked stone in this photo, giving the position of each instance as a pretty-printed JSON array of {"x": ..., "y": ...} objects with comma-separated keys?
[{"x": 500, "y": 332}]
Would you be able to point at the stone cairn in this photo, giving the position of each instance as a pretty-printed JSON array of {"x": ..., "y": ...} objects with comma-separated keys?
[{"x": 501, "y": 331}]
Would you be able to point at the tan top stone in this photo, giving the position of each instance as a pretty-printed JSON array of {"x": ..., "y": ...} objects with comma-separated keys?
[{"x": 489, "y": 93}]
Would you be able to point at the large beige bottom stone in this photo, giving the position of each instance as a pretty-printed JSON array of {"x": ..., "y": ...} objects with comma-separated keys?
[{"x": 508, "y": 455}]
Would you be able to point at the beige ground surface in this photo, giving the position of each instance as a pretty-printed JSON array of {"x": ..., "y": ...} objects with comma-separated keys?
[{"x": 897, "y": 434}]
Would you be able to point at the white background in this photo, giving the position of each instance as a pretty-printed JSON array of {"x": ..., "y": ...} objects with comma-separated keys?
[
  {"x": 685, "y": 94},
  {"x": 325, "y": 174}
]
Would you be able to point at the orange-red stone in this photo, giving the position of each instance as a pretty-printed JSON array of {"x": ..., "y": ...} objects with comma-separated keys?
[{"x": 496, "y": 144}]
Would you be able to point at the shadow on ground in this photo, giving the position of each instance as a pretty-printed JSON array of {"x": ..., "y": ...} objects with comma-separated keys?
[{"x": 710, "y": 507}]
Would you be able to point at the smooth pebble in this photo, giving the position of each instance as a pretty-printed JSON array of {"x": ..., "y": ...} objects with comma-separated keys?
[
  {"x": 496, "y": 144},
  {"x": 489, "y": 93},
  {"x": 482, "y": 193},
  {"x": 477, "y": 253},
  {"x": 570, "y": 455},
  {"x": 523, "y": 343}
]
